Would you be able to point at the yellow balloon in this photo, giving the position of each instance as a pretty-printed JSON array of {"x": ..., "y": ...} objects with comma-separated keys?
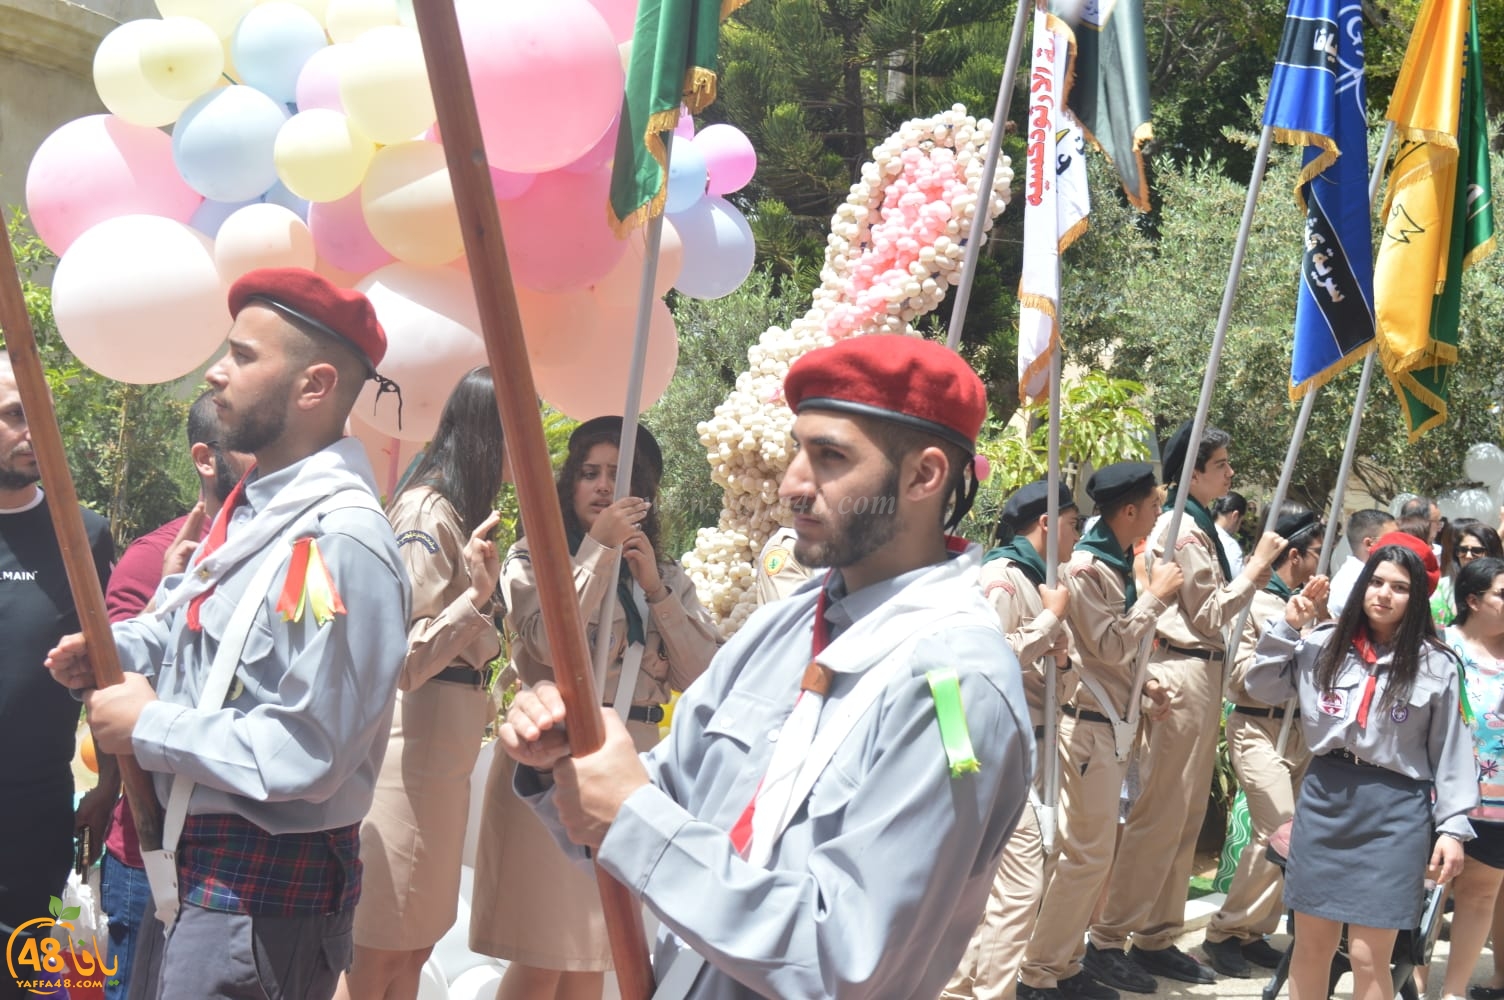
[
  {"x": 347, "y": 20},
  {"x": 182, "y": 58},
  {"x": 315, "y": 7},
  {"x": 220, "y": 15},
  {"x": 320, "y": 156},
  {"x": 409, "y": 204},
  {"x": 121, "y": 84},
  {"x": 383, "y": 84}
]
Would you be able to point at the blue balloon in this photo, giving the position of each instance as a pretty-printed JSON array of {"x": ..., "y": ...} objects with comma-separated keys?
[
  {"x": 222, "y": 145},
  {"x": 687, "y": 176},
  {"x": 279, "y": 195},
  {"x": 719, "y": 250},
  {"x": 271, "y": 44},
  {"x": 210, "y": 215}
]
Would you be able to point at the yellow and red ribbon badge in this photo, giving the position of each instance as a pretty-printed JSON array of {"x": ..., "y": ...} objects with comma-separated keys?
[{"x": 309, "y": 586}]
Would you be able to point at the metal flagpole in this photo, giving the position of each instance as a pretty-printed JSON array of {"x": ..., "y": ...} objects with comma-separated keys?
[
  {"x": 1350, "y": 449},
  {"x": 1328, "y": 540},
  {"x": 1047, "y": 818},
  {"x": 627, "y": 448},
  {"x": 989, "y": 174},
  {"x": 1203, "y": 405}
]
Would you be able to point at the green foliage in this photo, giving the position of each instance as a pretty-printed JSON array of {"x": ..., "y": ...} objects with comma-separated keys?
[
  {"x": 1101, "y": 422},
  {"x": 125, "y": 443},
  {"x": 713, "y": 340}
]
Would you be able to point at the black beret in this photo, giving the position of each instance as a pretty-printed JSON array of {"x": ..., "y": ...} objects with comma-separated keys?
[
  {"x": 1172, "y": 455},
  {"x": 1119, "y": 479},
  {"x": 1289, "y": 525},
  {"x": 647, "y": 445},
  {"x": 1030, "y": 504}
]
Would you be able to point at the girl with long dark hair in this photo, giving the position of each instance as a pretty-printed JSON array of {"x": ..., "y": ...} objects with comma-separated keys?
[
  {"x": 1381, "y": 711},
  {"x": 532, "y": 906},
  {"x": 412, "y": 839}
]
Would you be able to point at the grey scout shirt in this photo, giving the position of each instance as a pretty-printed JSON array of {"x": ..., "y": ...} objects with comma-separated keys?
[
  {"x": 877, "y": 884},
  {"x": 1423, "y": 737},
  {"x": 299, "y": 742}
]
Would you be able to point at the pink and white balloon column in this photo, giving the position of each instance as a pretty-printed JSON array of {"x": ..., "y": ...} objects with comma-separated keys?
[
  {"x": 895, "y": 247},
  {"x": 245, "y": 134}
]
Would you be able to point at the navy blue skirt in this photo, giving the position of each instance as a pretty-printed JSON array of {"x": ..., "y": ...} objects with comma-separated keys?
[{"x": 1360, "y": 845}]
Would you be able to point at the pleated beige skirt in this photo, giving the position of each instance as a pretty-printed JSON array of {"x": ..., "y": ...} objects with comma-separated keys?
[
  {"x": 532, "y": 904},
  {"x": 411, "y": 841}
]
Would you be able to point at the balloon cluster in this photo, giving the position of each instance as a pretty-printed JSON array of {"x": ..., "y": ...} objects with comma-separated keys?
[
  {"x": 1482, "y": 464},
  {"x": 302, "y": 133},
  {"x": 895, "y": 247}
]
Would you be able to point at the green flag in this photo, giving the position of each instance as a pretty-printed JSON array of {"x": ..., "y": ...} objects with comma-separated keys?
[
  {"x": 673, "y": 62},
  {"x": 1111, "y": 94},
  {"x": 1424, "y": 390}
]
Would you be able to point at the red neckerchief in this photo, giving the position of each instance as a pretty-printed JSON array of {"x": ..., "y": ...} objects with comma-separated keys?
[
  {"x": 741, "y": 833},
  {"x": 217, "y": 533},
  {"x": 1363, "y": 645}
]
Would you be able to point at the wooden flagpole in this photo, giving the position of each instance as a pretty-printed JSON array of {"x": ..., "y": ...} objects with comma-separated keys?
[
  {"x": 527, "y": 449},
  {"x": 68, "y": 527}
]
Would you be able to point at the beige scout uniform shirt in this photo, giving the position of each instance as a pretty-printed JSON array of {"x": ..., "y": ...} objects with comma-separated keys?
[
  {"x": 446, "y": 629},
  {"x": 1104, "y": 636},
  {"x": 779, "y": 574},
  {"x": 1029, "y": 628},
  {"x": 681, "y": 637},
  {"x": 1265, "y": 607},
  {"x": 1208, "y": 602}
]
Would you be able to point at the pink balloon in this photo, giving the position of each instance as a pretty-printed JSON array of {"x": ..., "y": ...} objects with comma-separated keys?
[
  {"x": 620, "y": 15},
  {"x": 390, "y": 456},
  {"x": 601, "y": 153},
  {"x": 508, "y": 185},
  {"x": 561, "y": 232},
  {"x": 524, "y": 57},
  {"x": 599, "y": 386},
  {"x": 100, "y": 167},
  {"x": 550, "y": 324},
  {"x": 729, "y": 158},
  {"x": 318, "y": 82},
  {"x": 624, "y": 283},
  {"x": 341, "y": 237},
  {"x": 686, "y": 127}
]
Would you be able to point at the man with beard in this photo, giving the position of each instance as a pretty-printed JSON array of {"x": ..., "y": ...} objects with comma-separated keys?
[
  {"x": 275, "y": 657},
  {"x": 37, "y": 718},
  {"x": 845, "y": 852},
  {"x": 165, "y": 551}
]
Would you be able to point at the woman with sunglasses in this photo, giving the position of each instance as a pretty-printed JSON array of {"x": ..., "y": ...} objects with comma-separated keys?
[
  {"x": 1380, "y": 709},
  {"x": 1470, "y": 540}
]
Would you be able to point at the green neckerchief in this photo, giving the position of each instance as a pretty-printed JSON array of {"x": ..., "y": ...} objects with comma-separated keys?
[
  {"x": 635, "y": 631},
  {"x": 1102, "y": 543},
  {"x": 1203, "y": 519},
  {"x": 1023, "y": 556},
  {"x": 1279, "y": 588}
]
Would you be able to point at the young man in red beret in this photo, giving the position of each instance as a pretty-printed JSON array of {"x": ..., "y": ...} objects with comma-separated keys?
[
  {"x": 275, "y": 659},
  {"x": 828, "y": 812}
]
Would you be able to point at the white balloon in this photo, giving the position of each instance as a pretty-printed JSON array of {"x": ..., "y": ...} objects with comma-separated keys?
[
  {"x": 1484, "y": 464},
  {"x": 432, "y": 335},
  {"x": 476, "y": 984},
  {"x": 431, "y": 984},
  {"x": 1478, "y": 504},
  {"x": 1399, "y": 501}
]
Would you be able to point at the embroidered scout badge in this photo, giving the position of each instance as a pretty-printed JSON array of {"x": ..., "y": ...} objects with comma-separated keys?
[
  {"x": 774, "y": 562},
  {"x": 1400, "y": 713},
  {"x": 1333, "y": 703}
]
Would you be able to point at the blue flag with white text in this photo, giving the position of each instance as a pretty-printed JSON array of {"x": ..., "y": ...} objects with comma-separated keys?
[{"x": 1317, "y": 98}]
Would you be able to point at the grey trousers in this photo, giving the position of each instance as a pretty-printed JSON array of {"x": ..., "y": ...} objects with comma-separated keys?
[{"x": 211, "y": 955}]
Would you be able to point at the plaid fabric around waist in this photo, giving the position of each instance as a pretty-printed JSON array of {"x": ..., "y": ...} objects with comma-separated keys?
[{"x": 230, "y": 864}]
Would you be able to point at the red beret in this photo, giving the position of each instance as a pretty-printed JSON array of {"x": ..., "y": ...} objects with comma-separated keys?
[
  {"x": 313, "y": 299},
  {"x": 1422, "y": 549},
  {"x": 905, "y": 379}
]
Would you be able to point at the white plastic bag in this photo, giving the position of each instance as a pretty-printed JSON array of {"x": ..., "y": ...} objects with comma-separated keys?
[{"x": 79, "y": 912}]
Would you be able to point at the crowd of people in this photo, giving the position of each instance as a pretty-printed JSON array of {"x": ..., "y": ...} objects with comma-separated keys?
[{"x": 923, "y": 769}]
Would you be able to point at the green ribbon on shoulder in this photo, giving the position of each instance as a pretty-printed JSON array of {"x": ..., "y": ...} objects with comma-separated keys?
[
  {"x": 1208, "y": 526},
  {"x": 945, "y": 689},
  {"x": 1021, "y": 553}
]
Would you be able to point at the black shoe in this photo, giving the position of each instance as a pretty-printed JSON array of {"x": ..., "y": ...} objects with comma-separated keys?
[
  {"x": 1082, "y": 986},
  {"x": 1172, "y": 963},
  {"x": 1263, "y": 954},
  {"x": 1227, "y": 958},
  {"x": 1110, "y": 966},
  {"x": 1027, "y": 992},
  {"x": 1481, "y": 992}
]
